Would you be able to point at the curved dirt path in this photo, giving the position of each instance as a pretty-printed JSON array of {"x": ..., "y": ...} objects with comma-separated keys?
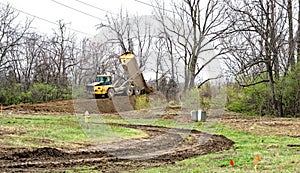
[{"x": 163, "y": 146}]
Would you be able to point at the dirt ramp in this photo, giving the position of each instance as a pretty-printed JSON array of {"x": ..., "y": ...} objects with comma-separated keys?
[
  {"x": 71, "y": 106},
  {"x": 61, "y": 106},
  {"x": 117, "y": 104}
]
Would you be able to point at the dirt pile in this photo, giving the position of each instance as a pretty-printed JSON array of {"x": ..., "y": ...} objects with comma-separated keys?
[
  {"x": 38, "y": 154},
  {"x": 94, "y": 106},
  {"x": 71, "y": 106}
]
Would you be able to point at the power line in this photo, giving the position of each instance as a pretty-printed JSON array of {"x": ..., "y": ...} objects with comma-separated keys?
[
  {"x": 48, "y": 21},
  {"x": 150, "y": 5},
  {"x": 76, "y": 10},
  {"x": 93, "y": 6}
]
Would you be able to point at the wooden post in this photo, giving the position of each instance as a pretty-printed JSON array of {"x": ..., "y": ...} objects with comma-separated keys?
[{"x": 1, "y": 109}]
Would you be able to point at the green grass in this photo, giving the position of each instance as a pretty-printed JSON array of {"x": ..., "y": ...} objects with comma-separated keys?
[
  {"x": 32, "y": 130},
  {"x": 276, "y": 156},
  {"x": 247, "y": 146},
  {"x": 154, "y": 122}
]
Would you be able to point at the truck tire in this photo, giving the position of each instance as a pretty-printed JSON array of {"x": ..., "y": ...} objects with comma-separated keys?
[
  {"x": 129, "y": 91},
  {"x": 137, "y": 91},
  {"x": 97, "y": 96},
  {"x": 110, "y": 93}
]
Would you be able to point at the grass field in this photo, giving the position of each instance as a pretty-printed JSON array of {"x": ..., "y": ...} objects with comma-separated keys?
[
  {"x": 59, "y": 131},
  {"x": 277, "y": 153}
]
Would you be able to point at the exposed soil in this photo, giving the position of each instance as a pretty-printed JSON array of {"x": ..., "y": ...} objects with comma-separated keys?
[
  {"x": 71, "y": 106},
  {"x": 263, "y": 125},
  {"x": 163, "y": 146}
]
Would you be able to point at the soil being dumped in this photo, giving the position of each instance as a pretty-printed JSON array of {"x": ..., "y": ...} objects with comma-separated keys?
[{"x": 162, "y": 146}]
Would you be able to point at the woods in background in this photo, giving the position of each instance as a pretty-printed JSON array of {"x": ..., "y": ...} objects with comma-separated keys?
[{"x": 258, "y": 42}]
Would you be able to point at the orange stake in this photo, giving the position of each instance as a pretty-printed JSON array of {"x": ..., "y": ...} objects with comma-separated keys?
[{"x": 186, "y": 119}]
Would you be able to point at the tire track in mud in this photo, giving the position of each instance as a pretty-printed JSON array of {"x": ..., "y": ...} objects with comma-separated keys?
[{"x": 163, "y": 146}]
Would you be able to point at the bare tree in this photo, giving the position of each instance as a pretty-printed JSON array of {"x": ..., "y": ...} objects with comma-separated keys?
[
  {"x": 79, "y": 71},
  {"x": 258, "y": 45},
  {"x": 11, "y": 34},
  {"x": 130, "y": 34},
  {"x": 118, "y": 28},
  {"x": 44, "y": 71},
  {"x": 62, "y": 54},
  {"x": 159, "y": 54},
  {"x": 195, "y": 28},
  {"x": 143, "y": 37},
  {"x": 29, "y": 54}
]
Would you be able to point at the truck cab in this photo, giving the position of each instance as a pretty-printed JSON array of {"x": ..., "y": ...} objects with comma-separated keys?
[{"x": 102, "y": 87}]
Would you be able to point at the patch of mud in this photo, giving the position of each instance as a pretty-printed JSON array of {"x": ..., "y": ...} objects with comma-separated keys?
[
  {"x": 39, "y": 153},
  {"x": 163, "y": 146}
]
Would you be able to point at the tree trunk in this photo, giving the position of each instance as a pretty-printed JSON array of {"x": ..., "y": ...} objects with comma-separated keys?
[
  {"x": 272, "y": 89},
  {"x": 298, "y": 34},
  {"x": 192, "y": 72},
  {"x": 291, "y": 60},
  {"x": 269, "y": 33},
  {"x": 276, "y": 59},
  {"x": 186, "y": 78}
]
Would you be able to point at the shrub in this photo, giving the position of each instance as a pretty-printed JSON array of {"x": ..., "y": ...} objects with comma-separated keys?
[
  {"x": 38, "y": 92},
  {"x": 43, "y": 92},
  {"x": 142, "y": 102},
  {"x": 289, "y": 87},
  {"x": 257, "y": 99}
]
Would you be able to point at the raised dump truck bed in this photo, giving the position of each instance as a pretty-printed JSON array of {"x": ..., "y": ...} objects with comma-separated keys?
[
  {"x": 134, "y": 85},
  {"x": 132, "y": 71}
]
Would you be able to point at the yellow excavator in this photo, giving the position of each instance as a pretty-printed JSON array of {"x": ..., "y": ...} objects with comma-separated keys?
[{"x": 134, "y": 85}]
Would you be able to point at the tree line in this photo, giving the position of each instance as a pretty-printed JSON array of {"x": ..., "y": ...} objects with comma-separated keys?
[
  {"x": 265, "y": 53},
  {"x": 258, "y": 41}
]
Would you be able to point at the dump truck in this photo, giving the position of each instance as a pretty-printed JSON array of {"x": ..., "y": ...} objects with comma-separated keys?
[{"x": 134, "y": 85}]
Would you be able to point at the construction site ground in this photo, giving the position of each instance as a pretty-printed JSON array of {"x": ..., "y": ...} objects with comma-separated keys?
[{"x": 162, "y": 146}]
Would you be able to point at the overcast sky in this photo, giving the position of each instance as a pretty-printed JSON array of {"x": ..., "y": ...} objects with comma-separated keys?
[
  {"x": 47, "y": 12},
  {"x": 54, "y": 10}
]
